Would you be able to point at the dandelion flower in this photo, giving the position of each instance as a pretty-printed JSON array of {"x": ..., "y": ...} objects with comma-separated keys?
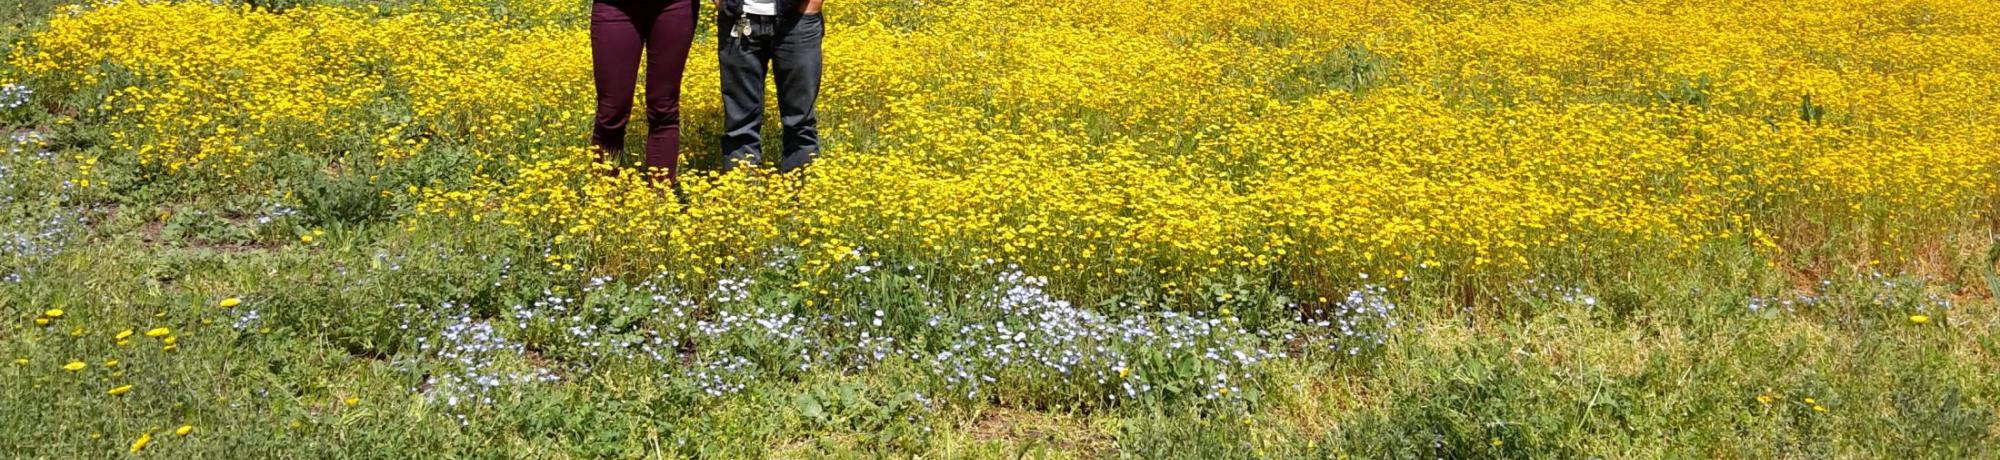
[
  {"x": 307, "y": 239},
  {"x": 231, "y": 302},
  {"x": 159, "y": 332},
  {"x": 1766, "y": 399},
  {"x": 1819, "y": 408},
  {"x": 1920, "y": 319},
  {"x": 122, "y": 335},
  {"x": 74, "y": 366},
  {"x": 352, "y": 401},
  {"x": 53, "y": 313},
  {"x": 121, "y": 389},
  {"x": 170, "y": 340},
  {"x": 110, "y": 364},
  {"x": 144, "y": 439},
  {"x": 184, "y": 430},
  {"x": 41, "y": 321}
]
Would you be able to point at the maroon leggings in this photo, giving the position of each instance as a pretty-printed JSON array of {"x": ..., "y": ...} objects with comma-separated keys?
[{"x": 619, "y": 31}]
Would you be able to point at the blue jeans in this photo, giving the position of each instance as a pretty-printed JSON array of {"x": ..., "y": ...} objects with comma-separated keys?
[{"x": 787, "y": 46}]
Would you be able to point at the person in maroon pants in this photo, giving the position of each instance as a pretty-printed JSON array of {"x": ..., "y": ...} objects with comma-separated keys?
[{"x": 620, "y": 30}]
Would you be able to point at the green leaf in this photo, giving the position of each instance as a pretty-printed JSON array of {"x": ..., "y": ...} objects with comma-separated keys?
[
  {"x": 809, "y": 406},
  {"x": 848, "y": 396},
  {"x": 1992, "y": 278}
]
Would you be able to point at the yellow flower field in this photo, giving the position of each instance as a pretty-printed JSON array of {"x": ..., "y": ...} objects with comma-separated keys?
[
  {"x": 1039, "y": 229},
  {"x": 1133, "y": 142}
]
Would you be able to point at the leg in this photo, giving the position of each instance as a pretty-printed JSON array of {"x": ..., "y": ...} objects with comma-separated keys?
[
  {"x": 797, "y": 64},
  {"x": 614, "y": 53},
  {"x": 742, "y": 68},
  {"x": 667, "y": 45}
]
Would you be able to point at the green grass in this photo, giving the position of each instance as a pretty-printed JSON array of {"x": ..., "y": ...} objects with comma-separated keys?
[{"x": 1677, "y": 375}]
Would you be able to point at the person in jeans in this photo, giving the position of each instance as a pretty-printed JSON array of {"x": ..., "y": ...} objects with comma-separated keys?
[
  {"x": 781, "y": 37},
  {"x": 620, "y": 30}
]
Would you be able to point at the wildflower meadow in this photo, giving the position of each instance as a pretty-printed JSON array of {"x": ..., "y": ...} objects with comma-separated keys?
[{"x": 1407, "y": 229}]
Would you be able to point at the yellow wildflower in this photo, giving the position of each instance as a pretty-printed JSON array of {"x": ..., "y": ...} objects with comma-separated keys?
[
  {"x": 122, "y": 335},
  {"x": 1920, "y": 319},
  {"x": 144, "y": 439},
  {"x": 119, "y": 390},
  {"x": 41, "y": 321},
  {"x": 74, "y": 366},
  {"x": 230, "y": 302},
  {"x": 110, "y": 364},
  {"x": 53, "y": 313},
  {"x": 184, "y": 430},
  {"x": 159, "y": 332},
  {"x": 1338, "y": 184}
]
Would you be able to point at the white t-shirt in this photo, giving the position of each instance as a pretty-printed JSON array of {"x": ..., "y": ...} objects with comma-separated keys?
[{"x": 760, "y": 7}]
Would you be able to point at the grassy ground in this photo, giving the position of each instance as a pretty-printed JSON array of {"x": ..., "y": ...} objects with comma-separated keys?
[
  {"x": 1672, "y": 363},
  {"x": 161, "y": 315}
]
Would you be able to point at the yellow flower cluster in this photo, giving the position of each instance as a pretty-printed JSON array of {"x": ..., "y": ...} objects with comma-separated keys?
[
  {"x": 1135, "y": 143},
  {"x": 213, "y": 88}
]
